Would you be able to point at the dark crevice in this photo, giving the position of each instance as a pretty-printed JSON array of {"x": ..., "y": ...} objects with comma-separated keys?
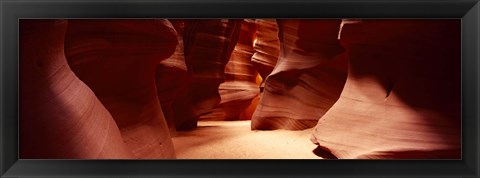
[
  {"x": 389, "y": 88},
  {"x": 324, "y": 153}
]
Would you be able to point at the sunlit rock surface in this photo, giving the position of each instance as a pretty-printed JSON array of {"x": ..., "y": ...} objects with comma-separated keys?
[
  {"x": 307, "y": 78},
  {"x": 60, "y": 117},
  {"x": 107, "y": 89},
  {"x": 208, "y": 46},
  {"x": 239, "y": 88},
  {"x": 402, "y": 95},
  {"x": 117, "y": 59},
  {"x": 266, "y": 46}
]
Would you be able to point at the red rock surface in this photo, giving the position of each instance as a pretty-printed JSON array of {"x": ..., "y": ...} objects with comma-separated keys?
[
  {"x": 266, "y": 46},
  {"x": 117, "y": 59},
  {"x": 239, "y": 88},
  {"x": 115, "y": 88},
  {"x": 306, "y": 81},
  {"x": 60, "y": 117},
  {"x": 208, "y": 46},
  {"x": 402, "y": 95},
  {"x": 171, "y": 77}
]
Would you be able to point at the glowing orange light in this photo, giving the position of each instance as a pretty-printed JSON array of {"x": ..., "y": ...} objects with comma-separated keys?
[
  {"x": 258, "y": 79},
  {"x": 254, "y": 37}
]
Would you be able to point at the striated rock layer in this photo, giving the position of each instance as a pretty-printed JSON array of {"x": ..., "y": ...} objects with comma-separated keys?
[
  {"x": 266, "y": 46},
  {"x": 172, "y": 78},
  {"x": 60, "y": 117},
  {"x": 402, "y": 95},
  {"x": 208, "y": 46},
  {"x": 305, "y": 82},
  {"x": 117, "y": 59},
  {"x": 239, "y": 88}
]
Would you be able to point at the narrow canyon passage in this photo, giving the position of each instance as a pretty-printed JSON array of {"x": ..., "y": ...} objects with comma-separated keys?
[
  {"x": 235, "y": 140},
  {"x": 240, "y": 89}
]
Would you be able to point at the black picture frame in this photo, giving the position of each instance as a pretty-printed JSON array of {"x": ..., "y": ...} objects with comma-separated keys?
[{"x": 467, "y": 10}]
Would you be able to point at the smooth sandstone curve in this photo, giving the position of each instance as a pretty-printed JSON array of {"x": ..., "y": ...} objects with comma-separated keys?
[{"x": 117, "y": 59}]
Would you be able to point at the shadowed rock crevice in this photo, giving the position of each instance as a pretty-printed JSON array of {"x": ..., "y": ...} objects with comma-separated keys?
[
  {"x": 405, "y": 60},
  {"x": 208, "y": 46},
  {"x": 132, "y": 88},
  {"x": 306, "y": 79}
]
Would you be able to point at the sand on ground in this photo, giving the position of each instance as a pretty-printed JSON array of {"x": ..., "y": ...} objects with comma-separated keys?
[{"x": 235, "y": 140}]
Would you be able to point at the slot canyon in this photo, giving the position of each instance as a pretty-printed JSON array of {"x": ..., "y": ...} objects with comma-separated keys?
[{"x": 240, "y": 89}]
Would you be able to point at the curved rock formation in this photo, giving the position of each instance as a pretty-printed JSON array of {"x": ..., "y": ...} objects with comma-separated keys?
[
  {"x": 172, "y": 77},
  {"x": 402, "y": 95},
  {"x": 266, "y": 46},
  {"x": 208, "y": 46},
  {"x": 239, "y": 88},
  {"x": 60, "y": 117},
  {"x": 117, "y": 59},
  {"x": 103, "y": 89},
  {"x": 305, "y": 82}
]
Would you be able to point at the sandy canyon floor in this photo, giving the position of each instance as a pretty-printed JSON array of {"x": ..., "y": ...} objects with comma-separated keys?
[{"x": 235, "y": 140}]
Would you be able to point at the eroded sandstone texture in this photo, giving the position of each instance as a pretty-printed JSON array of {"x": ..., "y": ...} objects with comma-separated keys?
[
  {"x": 60, "y": 117},
  {"x": 120, "y": 88},
  {"x": 117, "y": 59},
  {"x": 208, "y": 46},
  {"x": 307, "y": 79},
  {"x": 172, "y": 78},
  {"x": 402, "y": 95},
  {"x": 266, "y": 46},
  {"x": 266, "y": 49},
  {"x": 239, "y": 88}
]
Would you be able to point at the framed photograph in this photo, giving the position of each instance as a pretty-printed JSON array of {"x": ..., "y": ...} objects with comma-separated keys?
[{"x": 219, "y": 88}]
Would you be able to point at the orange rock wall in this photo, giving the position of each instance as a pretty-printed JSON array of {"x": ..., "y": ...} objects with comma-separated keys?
[
  {"x": 122, "y": 88},
  {"x": 305, "y": 81}
]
